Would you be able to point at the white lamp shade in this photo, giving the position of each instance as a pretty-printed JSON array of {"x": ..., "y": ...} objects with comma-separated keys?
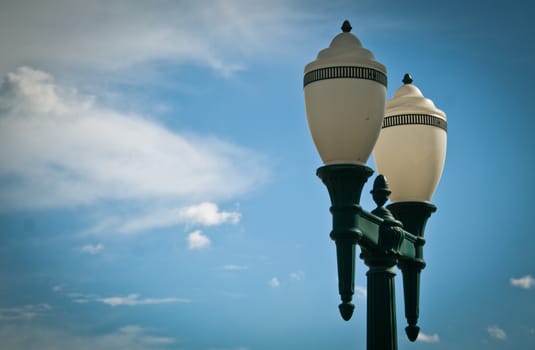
[
  {"x": 411, "y": 148},
  {"x": 345, "y": 94}
]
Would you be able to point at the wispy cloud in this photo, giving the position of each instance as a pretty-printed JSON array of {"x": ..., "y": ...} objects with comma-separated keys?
[
  {"x": 58, "y": 148},
  {"x": 525, "y": 282},
  {"x": 274, "y": 282},
  {"x": 92, "y": 249},
  {"x": 25, "y": 312},
  {"x": 297, "y": 276},
  {"x": 361, "y": 292},
  {"x": 428, "y": 338},
  {"x": 221, "y": 35},
  {"x": 197, "y": 241},
  {"x": 203, "y": 214},
  {"x": 131, "y": 337},
  {"x": 496, "y": 332},
  {"x": 234, "y": 267},
  {"x": 134, "y": 300},
  {"x": 141, "y": 334}
]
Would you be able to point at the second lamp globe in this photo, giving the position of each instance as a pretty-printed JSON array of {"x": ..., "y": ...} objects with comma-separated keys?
[{"x": 411, "y": 148}]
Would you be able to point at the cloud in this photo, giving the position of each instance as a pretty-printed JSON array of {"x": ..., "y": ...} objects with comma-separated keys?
[
  {"x": 274, "y": 282},
  {"x": 25, "y": 312},
  {"x": 234, "y": 267},
  {"x": 361, "y": 292},
  {"x": 92, "y": 249},
  {"x": 197, "y": 241},
  {"x": 221, "y": 35},
  {"x": 203, "y": 214},
  {"x": 428, "y": 338},
  {"x": 131, "y": 337},
  {"x": 58, "y": 149},
  {"x": 134, "y": 300},
  {"x": 525, "y": 282},
  {"x": 496, "y": 332},
  {"x": 140, "y": 333},
  {"x": 207, "y": 214},
  {"x": 297, "y": 276}
]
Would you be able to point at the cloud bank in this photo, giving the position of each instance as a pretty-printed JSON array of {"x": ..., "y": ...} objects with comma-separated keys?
[
  {"x": 23, "y": 313},
  {"x": 58, "y": 148},
  {"x": 131, "y": 337},
  {"x": 221, "y": 35}
]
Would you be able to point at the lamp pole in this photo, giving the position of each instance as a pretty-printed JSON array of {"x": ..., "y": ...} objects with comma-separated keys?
[{"x": 345, "y": 94}]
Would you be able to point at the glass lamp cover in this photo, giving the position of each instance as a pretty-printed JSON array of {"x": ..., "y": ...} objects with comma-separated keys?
[
  {"x": 411, "y": 149},
  {"x": 345, "y": 95}
]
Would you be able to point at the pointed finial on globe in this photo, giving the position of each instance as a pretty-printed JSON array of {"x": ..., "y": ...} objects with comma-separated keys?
[
  {"x": 407, "y": 79},
  {"x": 346, "y": 26}
]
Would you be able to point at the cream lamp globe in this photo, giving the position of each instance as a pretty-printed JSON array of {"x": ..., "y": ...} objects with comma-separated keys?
[
  {"x": 345, "y": 94},
  {"x": 411, "y": 148}
]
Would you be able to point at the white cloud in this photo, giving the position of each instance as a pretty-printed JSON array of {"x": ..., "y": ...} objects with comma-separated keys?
[
  {"x": 274, "y": 282},
  {"x": 496, "y": 332},
  {"x": 207, "y": 214},
  {"x": 361, "y": 292},
  {"x": 297, "y": 276},
  {"x": 428, "y": 338},
  {"x": 58, "y": 148},
  {"x": 525, "y": 282},
  {"x": 139, "y": 332},
  {"x": 80, "y": 298},
  {"x": 234, "y": 267},
  {"x": 134, "y": 300},
  {"x": 204, "y": 214},
  {"x": 196, "y": 240},
  {"x": 221, "y": 35},
  {"x": 37, "y": 337},
  {"x": 25, "y": 312},
  {"x": 92, "y": 249}
]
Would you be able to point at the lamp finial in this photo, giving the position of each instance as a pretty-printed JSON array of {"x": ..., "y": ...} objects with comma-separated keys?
[
  {"x": 407, "y": 79},
  {"x": 346, "y": 26}
]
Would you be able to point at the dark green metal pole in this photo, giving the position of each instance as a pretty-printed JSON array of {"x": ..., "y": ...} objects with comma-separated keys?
[{"x": 381, "y": 303}]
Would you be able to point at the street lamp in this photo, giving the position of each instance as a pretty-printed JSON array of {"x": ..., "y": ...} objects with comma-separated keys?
[{"x": 345, "y": 93}]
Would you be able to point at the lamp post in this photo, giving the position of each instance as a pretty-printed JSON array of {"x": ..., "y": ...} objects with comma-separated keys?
[{"x": 345, "y": 94}]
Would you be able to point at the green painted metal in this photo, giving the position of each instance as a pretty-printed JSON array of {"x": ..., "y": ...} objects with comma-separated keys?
[
  {"x": 414, "y": 216},
  {"x": 388, "y": 237}
]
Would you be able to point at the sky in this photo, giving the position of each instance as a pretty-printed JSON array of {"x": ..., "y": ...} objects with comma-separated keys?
[{"x": 157, "y": 176}]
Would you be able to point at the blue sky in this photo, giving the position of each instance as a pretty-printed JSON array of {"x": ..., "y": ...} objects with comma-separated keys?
[{"x": 157, "y": 177}]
